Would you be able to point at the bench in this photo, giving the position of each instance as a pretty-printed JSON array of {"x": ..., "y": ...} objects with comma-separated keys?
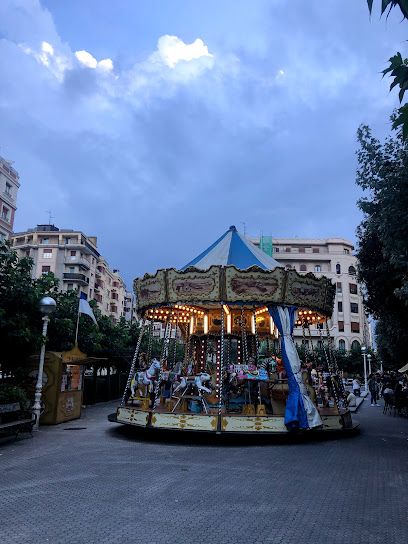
[{"x": 13, "y": 418}]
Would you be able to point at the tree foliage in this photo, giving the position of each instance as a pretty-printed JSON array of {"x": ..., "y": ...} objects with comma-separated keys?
[
  {"x": 397, "y": 69},
  {"x": 21, "y": 320},
  {"x": 382, "y": 239}
]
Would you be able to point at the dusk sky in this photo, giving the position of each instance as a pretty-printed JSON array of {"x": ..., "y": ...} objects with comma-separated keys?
[{"x": 155, "y": 125}]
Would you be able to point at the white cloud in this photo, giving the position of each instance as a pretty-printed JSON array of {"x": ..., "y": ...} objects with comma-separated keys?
[
  {"x": 170, "y": 50},
  {"x": 88, "y": 60}
]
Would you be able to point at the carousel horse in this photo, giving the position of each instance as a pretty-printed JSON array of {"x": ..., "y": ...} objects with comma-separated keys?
[
  {"x": 145, "y": 378},
  {"x": 198, "y": 381}
]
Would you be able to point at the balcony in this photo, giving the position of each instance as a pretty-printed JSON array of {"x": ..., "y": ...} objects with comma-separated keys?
[
  {"x": 80, "y": 261},
  {"x": 97, "y": 287},
  {"x": 79, "y": 278}
]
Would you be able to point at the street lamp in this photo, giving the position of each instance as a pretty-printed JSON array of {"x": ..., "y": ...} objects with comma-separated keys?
[
  {"x": 47, "y": 306},
  {"x": 364, "y": 349},
  {"x": 369, "y": 363}
]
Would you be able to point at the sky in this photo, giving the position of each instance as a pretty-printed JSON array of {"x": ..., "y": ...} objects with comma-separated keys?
[{"x": 155, "y": 125}]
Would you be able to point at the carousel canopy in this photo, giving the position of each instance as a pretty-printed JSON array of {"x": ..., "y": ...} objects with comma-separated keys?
[{"x": 233, "y": 249}]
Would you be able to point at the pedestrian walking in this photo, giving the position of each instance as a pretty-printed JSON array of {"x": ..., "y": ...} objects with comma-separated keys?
[{"x": 373, "y": 387}]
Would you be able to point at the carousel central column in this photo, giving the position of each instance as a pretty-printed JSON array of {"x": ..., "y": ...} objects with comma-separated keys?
[{"x": 221, "y": 375}]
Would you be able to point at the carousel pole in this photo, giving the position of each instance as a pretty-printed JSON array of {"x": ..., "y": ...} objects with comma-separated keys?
[
  {"x": 132, "y": 366},
  {"x": 166, "y": 341},
  {"x": 221, "y": 362}
]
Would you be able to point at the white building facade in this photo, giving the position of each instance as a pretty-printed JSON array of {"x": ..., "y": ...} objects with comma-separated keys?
[
  {"x": 332, "y": 257},
  {"x": 9, "y": 185}
]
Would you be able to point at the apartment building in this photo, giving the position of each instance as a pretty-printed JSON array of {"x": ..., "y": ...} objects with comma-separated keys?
[
  {"x": 74, "y": 259},
  {"x": 332, "y": 257},
  {"x": 9, "y": 185}
]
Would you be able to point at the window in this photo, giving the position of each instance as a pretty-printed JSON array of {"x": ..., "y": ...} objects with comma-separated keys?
[
  {"x": 353, "y": 307},
  {"x": 303, "y": 268},
  {"x": 316, "y": 250},
  {"x": 318, "y": 268},
  {"x": 353, "y": 289},
  {"x": 355, "y": 345},
  {"x": 342, "y": 345},
  {"x": 352, "y": 271},
  {"x": 67, "y": 241},
  {"x": 306, "y": 344},
  {"x": 45, "y": 241},
  {"x": 339, "y": 288},
  {"x": 346, "y": 251},
  {"x": 5, "y": 214},
  {"x": 338, "y": 269},
  {"x": 339, "y": 306},
  {"x": 45, "y": 269},
  {"x": 341, "y": 326},
  {"x": 70, "y": 286},
  {"x": 320, "y": 344},
  {"x": 72, "y": 269},
  {"x": 301, "y": 250},
  {"x": 47, "y": 253},
  {"x": 287, "y": 249},
  {"x": 108, "y": 293},
  {"x": 319, "y": 326},
  {"x": 73, "y": 255},
  {"x": 276, "y": 249},
  {"x": 107, "y": 306},
  {"x": 355, "y": 327},
  {"x": 8, "y": 189},
  {"x": 288, "y": 266}
]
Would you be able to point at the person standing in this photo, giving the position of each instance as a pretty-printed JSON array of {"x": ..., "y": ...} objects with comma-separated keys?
[
  {"x": 356, "y": 386},
  {"x": 373, "y": 387}
]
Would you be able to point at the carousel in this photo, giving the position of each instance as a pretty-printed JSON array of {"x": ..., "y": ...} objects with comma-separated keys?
[{"x": 235, "y": 308}]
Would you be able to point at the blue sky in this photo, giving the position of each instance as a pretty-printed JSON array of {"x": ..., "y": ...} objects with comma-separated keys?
[{"x": 154, "y": 125}]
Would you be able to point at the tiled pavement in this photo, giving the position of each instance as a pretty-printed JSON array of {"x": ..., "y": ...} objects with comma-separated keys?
[{"x": 106, "y": 484}]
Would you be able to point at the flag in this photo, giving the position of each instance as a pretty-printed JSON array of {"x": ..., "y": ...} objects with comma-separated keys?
[{"x": 84, "y": 308}]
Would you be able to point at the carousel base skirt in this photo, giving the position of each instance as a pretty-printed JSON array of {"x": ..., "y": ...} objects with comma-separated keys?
[{"x": 227, "y": 423}]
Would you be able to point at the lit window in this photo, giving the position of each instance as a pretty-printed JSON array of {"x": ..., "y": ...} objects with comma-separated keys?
[{"x": 318, "y": 268}]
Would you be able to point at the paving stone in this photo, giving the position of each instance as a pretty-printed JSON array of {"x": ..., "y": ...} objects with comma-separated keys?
[{"x": 108, "y": 483}]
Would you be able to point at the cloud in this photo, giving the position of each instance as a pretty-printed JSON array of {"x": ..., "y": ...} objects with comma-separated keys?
[
  {"x": 171, "y": 50},
  {"x": 88, "y": 60}
]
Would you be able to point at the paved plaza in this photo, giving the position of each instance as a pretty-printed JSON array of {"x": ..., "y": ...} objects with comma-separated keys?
[{"x": 91, "y": 481}]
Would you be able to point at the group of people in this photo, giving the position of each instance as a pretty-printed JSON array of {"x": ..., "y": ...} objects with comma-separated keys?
[{"x": 383, "y": 384}]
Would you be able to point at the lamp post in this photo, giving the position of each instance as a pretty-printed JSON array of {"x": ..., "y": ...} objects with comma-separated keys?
[
  {"x": 369, "y": 363},
  {"x": 364, "y": 349},
  {"x": 47, "y": 306}
]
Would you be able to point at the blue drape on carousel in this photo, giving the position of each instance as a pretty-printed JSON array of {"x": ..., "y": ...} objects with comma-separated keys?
[{"x": 300, "y": 411}]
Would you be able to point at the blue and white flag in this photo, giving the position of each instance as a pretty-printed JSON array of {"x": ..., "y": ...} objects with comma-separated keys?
[{"x": 84, "y": 308}]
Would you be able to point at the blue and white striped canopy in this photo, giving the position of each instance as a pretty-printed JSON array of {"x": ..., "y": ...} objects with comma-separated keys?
[{"x": 235, "y": 249}]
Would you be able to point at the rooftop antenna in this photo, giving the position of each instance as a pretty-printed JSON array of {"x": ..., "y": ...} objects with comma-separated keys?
[
  {"x": 244, "y": 224},
  {"x": 51, "y": 216}
]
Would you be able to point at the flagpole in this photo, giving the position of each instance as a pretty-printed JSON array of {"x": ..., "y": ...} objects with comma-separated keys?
[{"x": 76, "y": 334}]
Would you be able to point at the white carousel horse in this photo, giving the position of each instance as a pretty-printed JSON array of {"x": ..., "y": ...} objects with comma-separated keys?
[
  {"x": 198, "y": 381},
  {"x": 145, "y": 378}
]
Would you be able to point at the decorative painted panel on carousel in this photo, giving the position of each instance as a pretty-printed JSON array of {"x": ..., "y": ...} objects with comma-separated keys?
[
  {"x": 253, "y": 284},
  {"x": 151, "y": 289},
  {"x": 194, "y": 285}
]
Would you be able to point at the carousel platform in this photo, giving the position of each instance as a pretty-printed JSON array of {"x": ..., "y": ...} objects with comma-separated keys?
[{"x": 226, "y": 423}]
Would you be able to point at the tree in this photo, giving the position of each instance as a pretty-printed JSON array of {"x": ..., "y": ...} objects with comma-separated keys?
[
  {"x": 382, "y": 235},
  {"x": 398, "y": 68},
  {"x": 20, "y": 318}
]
